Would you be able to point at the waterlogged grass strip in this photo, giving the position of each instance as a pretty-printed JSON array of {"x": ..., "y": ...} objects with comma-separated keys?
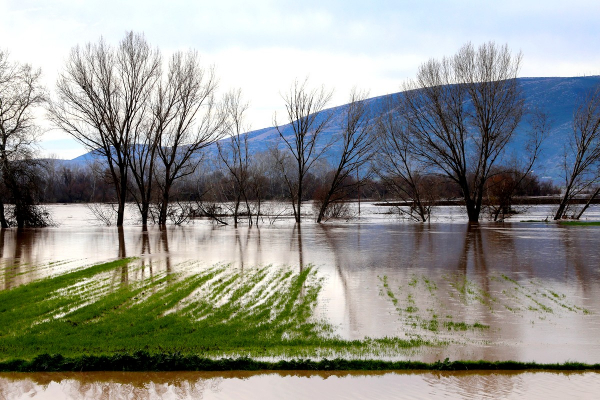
[
  {"x": 25, "y": 305},
  {"x": 218, "y": 312},
  {"x": 144, "y": 361}
]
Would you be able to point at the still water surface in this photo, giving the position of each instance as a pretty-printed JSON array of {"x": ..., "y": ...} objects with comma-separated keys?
[
  {"x": 497, "y": 291},
  {"x": 300, "y": 385}
]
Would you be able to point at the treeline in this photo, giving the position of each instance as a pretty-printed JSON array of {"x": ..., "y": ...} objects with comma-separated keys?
[
  {"x": 210, "y": 185},
  {"x": 65, "y": 184},
  {"x": 165, "y": 140}
]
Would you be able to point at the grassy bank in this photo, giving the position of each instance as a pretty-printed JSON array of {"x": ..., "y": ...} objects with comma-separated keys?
[
  {"x": 215, "y": 313},
  {"x": 580, "y": 223}
]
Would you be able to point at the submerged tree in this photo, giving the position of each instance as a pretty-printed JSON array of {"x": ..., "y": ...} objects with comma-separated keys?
[
  {"x": 462, "y": 112},
  {"x": 103, "y": 97},
  {"x": 20, "y": 93},
  {"x": 141, "y": 160},
  {"x": 304, "y": 144},
  {"x": 402, "y": 173},
  {"x": 510, "y": 178},
  {"x": 356, "y": 143},
  {"x": 234, "y": 154},
  {"x": 186, "y": 120},
  {"x": 582, "y": 153}
]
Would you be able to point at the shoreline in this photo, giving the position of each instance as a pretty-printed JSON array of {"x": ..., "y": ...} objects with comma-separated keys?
[{"x": 142, "y": 361}]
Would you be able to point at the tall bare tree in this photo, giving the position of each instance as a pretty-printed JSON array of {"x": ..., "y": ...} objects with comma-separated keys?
[
  {"x": 234, "y": 153},
  {"x": 20, "y": 93},
  {"x": 308, "y": 121},
  {"x": 103, "y": 96},
  {"x": 357, "y": 140},
  {"x": 403, "y": 174},
  {"x": 141, "y": 160},
  {"x": 582, "y": 152},
  {"x": 513, "y": 176},
  {"x": 186, "y": 119},
  {"x": 462, "y": 112}
]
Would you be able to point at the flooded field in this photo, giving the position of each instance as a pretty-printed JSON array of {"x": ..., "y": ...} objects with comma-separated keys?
[{"x": 523, "y": 291}]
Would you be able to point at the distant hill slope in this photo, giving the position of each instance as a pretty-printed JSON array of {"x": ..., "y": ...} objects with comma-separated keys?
[{"x": 557, "y": 96}]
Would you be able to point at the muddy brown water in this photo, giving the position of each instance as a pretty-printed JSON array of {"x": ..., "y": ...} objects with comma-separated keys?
[
  {"x": 299, "y": 385},
  {"x": 509, "y": 291}
]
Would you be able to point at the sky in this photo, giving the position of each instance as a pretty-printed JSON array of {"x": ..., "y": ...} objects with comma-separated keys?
[{"x": 262, "y": 46}]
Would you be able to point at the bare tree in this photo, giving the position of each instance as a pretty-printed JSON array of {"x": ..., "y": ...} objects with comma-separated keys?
[
  {"x": 141, "y": 159},
  {"x": 462, "y": 113},
  {"x": 233, "y": 153},
  {"x": 508, "y": 179},
  {"x": 103, "y": 95},
  {"x": 258, "y": 181},
  {"x": 582, "y": 152},
  {"x": 399, "y": 169},
  {"x": 308, "y": 121},
  {"x": 186, "y": 121},
  {"x": 20, "y": 93},
  {"x": 357, "y": 141}
]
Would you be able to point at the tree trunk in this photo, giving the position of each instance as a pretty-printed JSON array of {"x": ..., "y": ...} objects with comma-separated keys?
[
  {"x": 235, "y": 212},
  {"x": 297, "y": 213},
  {"x": 162, "y": 216},
  {"x": 3, "y": 222},
  {"x": 322, "y": 211},
  {"x": 122, "y": 196},
  {"x": 561, "y": 208},
  {"x": 588, "y": 203},
  {"x": 472, "y": 210},
  {"x": 144, "y": 213},
  {"x": 121, "y": 212},
  {"x": 564, "y": 201},
  {"x": 327, "y": 200},
  {"x": 122, "y": 250}
]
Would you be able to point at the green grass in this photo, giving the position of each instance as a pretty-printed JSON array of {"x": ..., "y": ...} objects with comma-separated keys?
[
  {"x": 580, "y": 223},
  {"x": 218, "y": 312},
  {"x": 223, "y": 318}
]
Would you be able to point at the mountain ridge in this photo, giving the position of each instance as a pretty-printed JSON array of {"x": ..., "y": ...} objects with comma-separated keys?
[{"x": 558, "y": 96}]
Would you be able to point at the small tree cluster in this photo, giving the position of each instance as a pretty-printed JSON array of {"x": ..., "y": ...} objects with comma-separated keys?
[
  {"x": 20, "y": 94},
  {"x": 148, "y": 124}
]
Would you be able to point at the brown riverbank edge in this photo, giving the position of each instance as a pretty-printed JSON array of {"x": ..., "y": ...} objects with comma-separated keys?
[{"x": 143, "y": 361}]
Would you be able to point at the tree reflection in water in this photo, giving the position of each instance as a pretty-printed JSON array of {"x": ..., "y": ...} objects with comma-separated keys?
[{"x": 299, "y": 385}]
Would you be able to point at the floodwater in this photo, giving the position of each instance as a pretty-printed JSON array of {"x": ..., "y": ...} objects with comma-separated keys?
[
  {"x": 497, "y": 291},
  {"x": 299, "y": 385}
]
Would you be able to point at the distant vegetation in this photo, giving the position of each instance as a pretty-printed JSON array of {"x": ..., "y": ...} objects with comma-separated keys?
[{"x": 162, "y": 137}]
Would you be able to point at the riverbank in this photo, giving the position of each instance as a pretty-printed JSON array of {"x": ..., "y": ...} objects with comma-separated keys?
[{"x": 144, "y": 361}]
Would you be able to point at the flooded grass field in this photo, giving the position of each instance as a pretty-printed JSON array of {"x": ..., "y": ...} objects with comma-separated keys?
[{"x": 373, "y": 287}]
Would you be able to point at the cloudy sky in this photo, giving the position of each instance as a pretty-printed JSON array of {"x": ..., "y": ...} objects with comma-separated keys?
[{"x": 262, "y": 46}]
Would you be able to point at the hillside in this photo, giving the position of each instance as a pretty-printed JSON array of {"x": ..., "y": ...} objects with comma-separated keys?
[{"x": 557, "y": 96}]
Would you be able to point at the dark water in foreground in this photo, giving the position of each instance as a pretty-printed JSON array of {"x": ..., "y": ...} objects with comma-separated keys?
[{"x": 300, "y": 385}]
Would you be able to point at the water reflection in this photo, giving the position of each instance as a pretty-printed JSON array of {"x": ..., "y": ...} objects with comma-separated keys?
[
  {"x": 299, "y": 385},
  {"x": 17, "y": 249},
  {"x": 164, "y": 242},
  {"x": 354, "y": 258}
]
